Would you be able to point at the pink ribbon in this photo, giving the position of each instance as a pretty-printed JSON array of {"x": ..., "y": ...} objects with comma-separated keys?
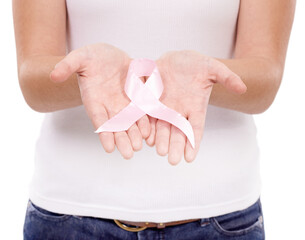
[{"x": 145, "y": 100}]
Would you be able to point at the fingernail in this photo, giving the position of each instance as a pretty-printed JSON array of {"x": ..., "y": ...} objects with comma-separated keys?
[{"x": 189, "y": 157}]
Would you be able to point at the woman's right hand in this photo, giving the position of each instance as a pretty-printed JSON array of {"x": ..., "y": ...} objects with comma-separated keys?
[{"x": 102, "y": 70}]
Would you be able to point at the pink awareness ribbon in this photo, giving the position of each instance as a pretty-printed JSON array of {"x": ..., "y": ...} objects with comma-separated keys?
[{"x": 145, "y": 100}]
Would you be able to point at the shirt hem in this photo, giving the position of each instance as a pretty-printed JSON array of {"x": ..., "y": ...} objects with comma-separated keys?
[{"x": 164, "y": 215}]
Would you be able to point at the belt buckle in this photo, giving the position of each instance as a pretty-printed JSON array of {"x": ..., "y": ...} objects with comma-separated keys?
[{"x": 130, "y": 229}]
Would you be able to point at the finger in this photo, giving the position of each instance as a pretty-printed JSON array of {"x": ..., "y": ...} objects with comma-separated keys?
[
  {"x": 197, "y": 120},
  {"x": 98, "y": 117},
  {"x": 123, "y": 144},
  {"x": 162, "y": 137},
  {"x": 107, "y": 140},
  {"x": 144, "y": 126},
  {"x": 121, "y": 139},
  {"x": 135, "y": 137},
  {"x": 176, "y": 145},
  {"x": 226, "y": 77},
  {"x": 152, "y": 136},
  {"x": 67, "y": 66}
]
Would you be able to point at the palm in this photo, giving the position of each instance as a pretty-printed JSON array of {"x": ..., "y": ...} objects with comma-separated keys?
[
  {"x": 186, "y": 84},
  {"x": 101, "y": 82}
]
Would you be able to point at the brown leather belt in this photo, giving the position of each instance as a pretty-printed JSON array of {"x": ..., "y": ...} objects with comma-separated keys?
[{"x": 139, "y": 226}]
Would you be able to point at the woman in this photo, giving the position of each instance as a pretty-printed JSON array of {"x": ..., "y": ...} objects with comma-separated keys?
[{"x": 206, "y": 52}]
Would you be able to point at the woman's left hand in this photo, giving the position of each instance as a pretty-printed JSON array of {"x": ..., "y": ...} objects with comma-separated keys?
[{"x": 188, "y": 78}]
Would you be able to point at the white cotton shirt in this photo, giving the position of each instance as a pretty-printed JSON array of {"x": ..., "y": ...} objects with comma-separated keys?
[{"x": 74, "y": 175}]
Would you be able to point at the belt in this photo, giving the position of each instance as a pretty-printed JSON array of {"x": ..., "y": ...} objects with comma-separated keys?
[{"x": 143, "y": 225}]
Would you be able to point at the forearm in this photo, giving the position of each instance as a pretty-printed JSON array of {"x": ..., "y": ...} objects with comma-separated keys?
[
  {"x": 42, "y": 94},
  {"x": 262, "y": 78}
]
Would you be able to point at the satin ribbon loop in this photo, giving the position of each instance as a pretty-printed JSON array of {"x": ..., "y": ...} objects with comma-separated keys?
[{"x": 145, "y": 100}]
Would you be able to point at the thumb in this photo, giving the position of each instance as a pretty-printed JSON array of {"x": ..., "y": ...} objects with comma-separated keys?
[
  {"x": 67, "y": 66},
  {"x": 223, "y": 75}
]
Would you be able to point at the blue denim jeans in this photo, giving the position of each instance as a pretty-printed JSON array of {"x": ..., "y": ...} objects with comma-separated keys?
[{"x": 41, "y": 224}]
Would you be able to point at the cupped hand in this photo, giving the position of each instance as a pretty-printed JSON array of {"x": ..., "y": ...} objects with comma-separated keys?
[
  {"x": 102, "y": 69},
  {"x": 188, "y": 78}
]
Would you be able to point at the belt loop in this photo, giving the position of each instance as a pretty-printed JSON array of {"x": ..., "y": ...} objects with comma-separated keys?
[{"x": 160, "y": 225}]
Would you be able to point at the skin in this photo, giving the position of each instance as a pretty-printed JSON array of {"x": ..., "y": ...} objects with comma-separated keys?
[{"x": 262, "y": 38}]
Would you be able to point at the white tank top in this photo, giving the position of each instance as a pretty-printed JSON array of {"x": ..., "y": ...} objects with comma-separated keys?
[{"x": 73, "y": 174}]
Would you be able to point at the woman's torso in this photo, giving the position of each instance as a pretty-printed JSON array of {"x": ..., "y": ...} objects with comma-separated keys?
[{"x": 74, "y": 175}]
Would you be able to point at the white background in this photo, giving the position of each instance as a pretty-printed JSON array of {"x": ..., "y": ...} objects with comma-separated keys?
[{"x": 280, "y": 133}]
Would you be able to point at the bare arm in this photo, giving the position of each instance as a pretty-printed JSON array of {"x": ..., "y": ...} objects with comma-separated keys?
[
  {"x": 262, "y": 39},
  {"x": 40, "y": 28},
  {"x": 40, "y": 33}
]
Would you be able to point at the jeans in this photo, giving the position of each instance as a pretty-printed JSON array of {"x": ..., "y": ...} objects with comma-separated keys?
[{"x": 41, "y": 224}]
